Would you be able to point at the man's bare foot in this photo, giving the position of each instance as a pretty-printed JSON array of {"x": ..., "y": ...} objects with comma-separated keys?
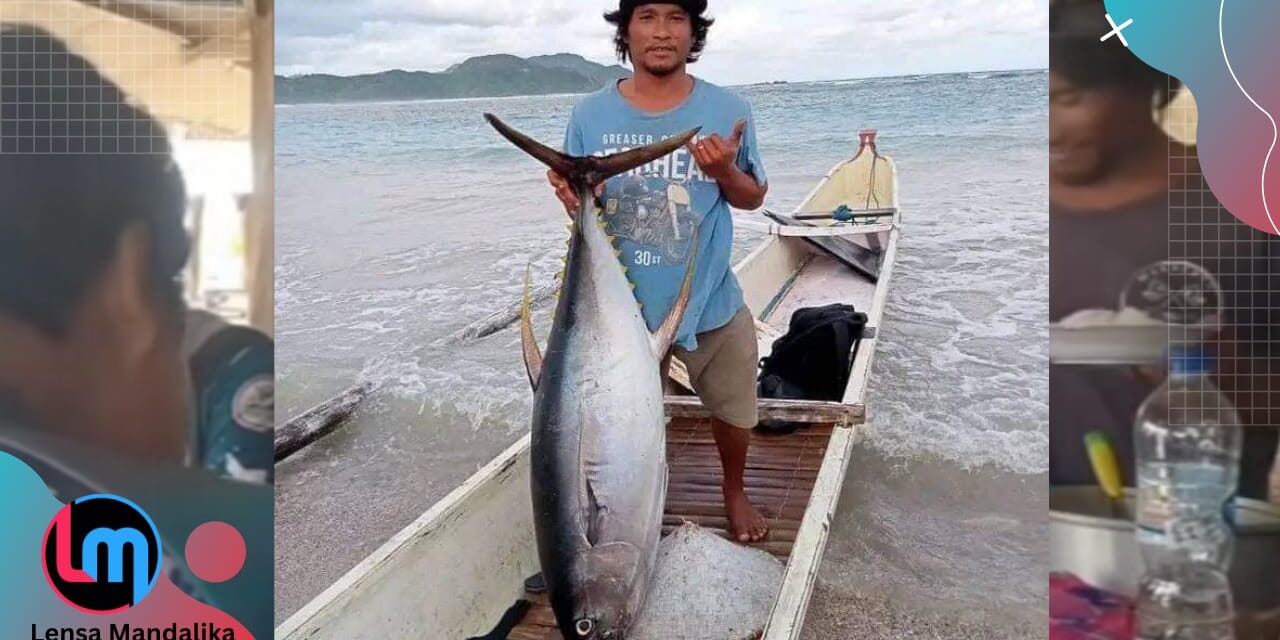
[{"x": 746, "y": 523}]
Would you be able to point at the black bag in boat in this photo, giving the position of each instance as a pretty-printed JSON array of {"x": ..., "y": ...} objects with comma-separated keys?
[{"x": 812, "y": 361}]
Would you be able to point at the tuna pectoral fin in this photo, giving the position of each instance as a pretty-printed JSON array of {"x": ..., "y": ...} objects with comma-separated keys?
[
  {"x": 589, "y": 171},
  {"x": 528, "y": 343},
  {"x": 666, "y": 334},
  {"x": 615, "y": 573}
]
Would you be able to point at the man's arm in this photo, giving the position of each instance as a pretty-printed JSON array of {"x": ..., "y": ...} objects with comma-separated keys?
[{"x": 741, "y": 189}]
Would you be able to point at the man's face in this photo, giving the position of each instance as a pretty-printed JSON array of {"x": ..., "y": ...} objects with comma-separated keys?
[
  {"x": 116, "y": 378},
  {"x": 661, "y": 38},
  {"x": 1090, "y": 129}
]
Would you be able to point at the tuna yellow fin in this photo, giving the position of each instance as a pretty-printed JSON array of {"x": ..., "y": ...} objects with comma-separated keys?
[
  {"x": 529, "y": 343},
  {"x": 666, "y": 334}
]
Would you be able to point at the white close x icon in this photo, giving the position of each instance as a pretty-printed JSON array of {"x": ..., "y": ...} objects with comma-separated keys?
[{"x": 1116, "y": 30}]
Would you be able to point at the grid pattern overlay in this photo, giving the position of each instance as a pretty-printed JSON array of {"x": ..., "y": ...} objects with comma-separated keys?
[
  {"x": 82, "y": 76},
  {"x": 1246, "y": 265}
]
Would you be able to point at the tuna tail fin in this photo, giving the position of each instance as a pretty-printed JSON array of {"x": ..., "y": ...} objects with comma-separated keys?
[
  {"x": 666, "y": 334},
  {"x": 586, "y": 172},
  {"x": 529, "y": 343}
]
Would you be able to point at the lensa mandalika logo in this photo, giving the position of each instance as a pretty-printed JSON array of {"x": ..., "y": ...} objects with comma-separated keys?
[{"x": 101, "y": 554}]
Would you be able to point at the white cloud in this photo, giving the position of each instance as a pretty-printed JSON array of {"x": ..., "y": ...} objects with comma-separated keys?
[{"x": 752, "y": 41}]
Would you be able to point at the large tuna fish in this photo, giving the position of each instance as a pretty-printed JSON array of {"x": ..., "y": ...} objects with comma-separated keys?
[{"x": 599, "y": 468}]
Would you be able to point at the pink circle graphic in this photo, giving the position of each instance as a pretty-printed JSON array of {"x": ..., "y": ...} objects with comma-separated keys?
[{"x": 215, "y": 552}]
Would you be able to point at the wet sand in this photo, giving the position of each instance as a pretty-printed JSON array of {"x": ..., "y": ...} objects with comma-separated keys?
[
  {"x": 926, "y": 549},
  {"x": 341, "y": 498}
]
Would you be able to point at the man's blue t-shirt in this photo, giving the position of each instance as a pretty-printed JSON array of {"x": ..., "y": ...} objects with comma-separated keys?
[{"x": 652, "y": 211}]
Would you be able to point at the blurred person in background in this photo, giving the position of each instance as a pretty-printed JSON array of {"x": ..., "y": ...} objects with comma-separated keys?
[
  {"x": 1110, "y": 187},
  {"x": 92, "y": 246}
]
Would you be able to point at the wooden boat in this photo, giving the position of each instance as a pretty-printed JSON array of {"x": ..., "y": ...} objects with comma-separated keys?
[{"x": 453, "y": 572}]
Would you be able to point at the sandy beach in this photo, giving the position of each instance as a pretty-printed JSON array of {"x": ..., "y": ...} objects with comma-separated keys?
[{"x": 925, "y": 549}]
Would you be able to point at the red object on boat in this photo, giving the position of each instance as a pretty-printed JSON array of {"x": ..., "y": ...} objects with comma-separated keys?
[
  {"x": 1079, "y": 611},
  {"x": 867, "y": 138}
]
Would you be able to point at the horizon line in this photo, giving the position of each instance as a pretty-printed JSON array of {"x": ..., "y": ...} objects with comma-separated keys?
[{"x": 746, "y": 84}]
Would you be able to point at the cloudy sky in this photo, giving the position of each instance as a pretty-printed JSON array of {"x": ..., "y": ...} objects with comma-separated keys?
[{"x": 752, "y": 40}]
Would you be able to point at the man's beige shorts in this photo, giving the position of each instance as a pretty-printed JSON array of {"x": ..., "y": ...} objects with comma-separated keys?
[{"x": 723, "y": 370}]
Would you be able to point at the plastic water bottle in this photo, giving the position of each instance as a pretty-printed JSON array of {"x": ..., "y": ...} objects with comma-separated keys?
[
  {"x": 1188, "y": 440},
  {"x": 1185, "y": 602}
]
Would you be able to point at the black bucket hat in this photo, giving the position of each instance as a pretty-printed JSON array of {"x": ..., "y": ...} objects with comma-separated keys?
[{"x": 694, "y": 7}]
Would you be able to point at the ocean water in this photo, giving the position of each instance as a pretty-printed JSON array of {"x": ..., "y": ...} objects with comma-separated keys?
[{"x": 400, "y": 223}]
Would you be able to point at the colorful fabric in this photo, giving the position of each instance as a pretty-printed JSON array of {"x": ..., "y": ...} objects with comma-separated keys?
[{"x": 1078, "y": 611}]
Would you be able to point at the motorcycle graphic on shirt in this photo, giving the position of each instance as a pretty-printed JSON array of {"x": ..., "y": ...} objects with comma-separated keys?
[{"x": 655, "y": 213}]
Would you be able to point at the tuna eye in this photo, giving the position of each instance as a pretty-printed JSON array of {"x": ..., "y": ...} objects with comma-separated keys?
[{"x": 584, "y": 627}]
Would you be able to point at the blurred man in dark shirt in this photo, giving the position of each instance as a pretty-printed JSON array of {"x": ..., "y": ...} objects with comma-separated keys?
[{"x": 1111, "y": 195}]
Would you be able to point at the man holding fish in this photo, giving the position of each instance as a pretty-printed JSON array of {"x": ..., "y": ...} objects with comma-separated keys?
[{"x": 720, "y": 168}]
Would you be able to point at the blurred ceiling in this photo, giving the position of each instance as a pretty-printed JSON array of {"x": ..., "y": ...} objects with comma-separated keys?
[{"x": 186, "y": 61}]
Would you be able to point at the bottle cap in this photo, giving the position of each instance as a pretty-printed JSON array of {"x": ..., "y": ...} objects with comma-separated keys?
[{"x": 1190, "y": 360}]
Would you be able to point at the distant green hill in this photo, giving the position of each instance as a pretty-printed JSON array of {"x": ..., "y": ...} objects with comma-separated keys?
[{"x": 482, "y": 77}]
